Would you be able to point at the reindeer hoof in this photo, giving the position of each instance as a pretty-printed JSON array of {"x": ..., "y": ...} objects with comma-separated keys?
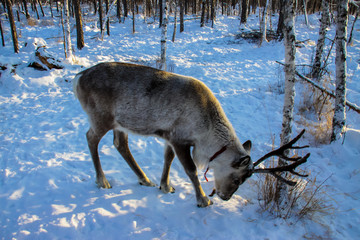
[
  {"x": 103, "y": 183},
  {"x": 146, "y": 182},
  {"x": 204, "y": 202},
  {"x": 167, "y": 189}
]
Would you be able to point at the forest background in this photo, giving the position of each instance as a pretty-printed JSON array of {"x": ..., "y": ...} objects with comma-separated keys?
[{"x": 236, "y": 48}]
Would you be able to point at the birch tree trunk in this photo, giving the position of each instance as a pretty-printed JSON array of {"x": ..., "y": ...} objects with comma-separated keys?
[
  {"x": 12, "y": 26},
  {"x": 68, "y": 50},
  {"x": 264, "y": 23},
  {"x": 164, "y": 35},
  {"x": 107, "y": 18},
  {"x": 324, "y": 24},
  {"x": 290, "y": 51},
  {"x": 340, "y": 62}
]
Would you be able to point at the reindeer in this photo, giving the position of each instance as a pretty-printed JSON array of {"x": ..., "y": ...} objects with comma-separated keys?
[{"x": 129, "y": 98}]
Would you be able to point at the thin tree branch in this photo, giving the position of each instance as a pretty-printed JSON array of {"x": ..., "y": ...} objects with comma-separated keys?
[{"x": 352, "y": 106}]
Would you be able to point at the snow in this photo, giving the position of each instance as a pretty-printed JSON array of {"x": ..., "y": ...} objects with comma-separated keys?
[{"x": 47, "y": 177}]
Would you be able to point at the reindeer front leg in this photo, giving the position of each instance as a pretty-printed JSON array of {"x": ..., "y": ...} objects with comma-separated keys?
[
  {"x": 165, "y": 185},
  {"x": 183, "y": 153}
]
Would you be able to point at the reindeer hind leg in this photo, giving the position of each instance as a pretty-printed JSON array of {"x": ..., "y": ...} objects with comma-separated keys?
[
  {"x": 93, "y": 139},
  {"x": 121, "y": 144}
]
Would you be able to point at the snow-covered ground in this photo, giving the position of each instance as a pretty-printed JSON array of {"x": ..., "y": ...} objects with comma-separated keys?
[{"x": 47, "y": 179}]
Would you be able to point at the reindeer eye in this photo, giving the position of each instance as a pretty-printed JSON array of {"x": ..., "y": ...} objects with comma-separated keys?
[{"x": 236, "y": 181}]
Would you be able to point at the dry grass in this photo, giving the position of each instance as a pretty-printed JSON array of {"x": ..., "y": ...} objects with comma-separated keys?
[
  {"x": 316, "y": 110},
  {"x": 32, "y": 22},
  {"x": 307, "y": 199}
]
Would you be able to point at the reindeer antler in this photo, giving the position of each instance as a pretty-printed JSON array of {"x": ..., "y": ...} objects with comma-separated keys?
[{"x": 287, "y": 168}]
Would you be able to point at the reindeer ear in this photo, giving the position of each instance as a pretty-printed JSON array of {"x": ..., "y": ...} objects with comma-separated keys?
[
  {"x": 244, "y": 161},
  {"x": 247, "y": 145}
]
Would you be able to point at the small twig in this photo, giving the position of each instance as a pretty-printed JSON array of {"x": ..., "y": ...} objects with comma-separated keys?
[{"x": 328, "y": 55}]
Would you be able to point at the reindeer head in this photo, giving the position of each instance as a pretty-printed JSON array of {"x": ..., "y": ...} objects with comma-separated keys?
[
  {"x": 231, "y": 169},
  {"x": 239, "y": 167}
]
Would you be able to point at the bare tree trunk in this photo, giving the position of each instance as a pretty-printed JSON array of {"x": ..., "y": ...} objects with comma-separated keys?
[
  {"x": 26, "y": 9},
  {"x": 324, "y": 24},
  {"x": 2, "y": 34},
  {"x": 107, "y": 19},
  {"x": 290, "y": 51},
  {"x": 95, "y": 6},
  {"x": 125, "y": 9},
  {"x": 69, "y": 53},
  {"x": 244, "y": 9},
  {"x": 133, "y": 11},
  {"x": 270, "y": 12},
  {"x": 280, "y": 26},
  {"x": 340, "y": 61},
  {"x": 213, "y": 12},
  {"x": 35, "y": 9},
  {"x": 207, "y": 10},
  {"x": 118, "y": 10},
  {"x": 202, "y": 21},
  {"x": 51, "y": 12},
  {"x": 12, "y": 26},
  {"x": 164, "y": 35},
  {"x": 175, "y": 20},
  {"x": 161, "y": 13},
  {"x": 181, "y": 15},
  {"x": 41, "y": 8},
  {"x": 101, "y": 16},
  {"x": 79, "y": 28},
  {"x": 305, "y": 13},
  {"x": 144, "y": 10}
]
